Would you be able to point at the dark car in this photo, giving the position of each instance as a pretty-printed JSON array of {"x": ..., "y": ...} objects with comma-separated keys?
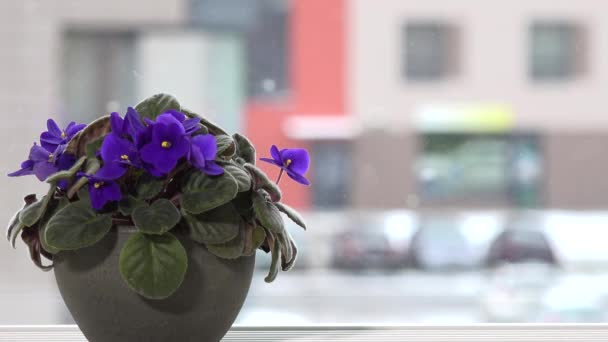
[
  {"x": 518, "y": 245},
  {"x": 368, "y": 248}
]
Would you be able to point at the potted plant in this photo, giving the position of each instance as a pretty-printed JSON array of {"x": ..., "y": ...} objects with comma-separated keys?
[{"x": 152, "y": 221}]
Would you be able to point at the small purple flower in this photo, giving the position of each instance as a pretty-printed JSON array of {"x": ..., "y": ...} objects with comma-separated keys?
[
  {"x": 167, "y": 145},
  {"x": 190, "y": 125},
  {"x": 117, "y": 154},
  {"x": 102, "y": 191},
  {"x": 55, "y": 136},
  {"x": 294, "y": 161},
  {"x": 203, "y": 149},
  {"x": 130, "y": 127},
  {"x": 40, "y": 163}
]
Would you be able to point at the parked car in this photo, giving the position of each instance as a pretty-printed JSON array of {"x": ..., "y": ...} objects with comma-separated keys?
[
  {"x": 513, "y": 292},
  {"x": 440, "y": 244},
  {"x": 369, "y": 247},
  {"x": 517, "y": 245}
]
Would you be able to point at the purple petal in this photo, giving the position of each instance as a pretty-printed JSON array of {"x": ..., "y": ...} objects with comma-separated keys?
[
  {"x": 39, "y": 154},
  {"x": 271, "y": 161},
  {"x": 191, "y": 125},
  {"x": 196, "y": 157},
  {"x": 53, "y": 128},
  {"x": 299, "y": 159},
  {"x": 26, "y": 169},
  {"x": 44, "y": 169},
  {"x": 150, "y": 152},
  {"x": 274, "y": 153},
  {"x": 169, "y": 119},
  {"x": 65, "y": 161},
  {"x": 113, "y": 147},
  {"x": 165, "y": 163},
  {"x": 212, "y": 168},
  {"x": 207, "y": 145},
  {"x": 134, "y": 125},
  {"x": 112, "y": 191},
  {"x": 181, "y": 147},
  {"x": 49, "y": 141},
  {"x": 71, "y": 131},
  {"x": 297, "y": 177},
  {"x": 176, "y": 114},
  {"x": 116, "y": 122},
  {"x": 111, "y": 171}
]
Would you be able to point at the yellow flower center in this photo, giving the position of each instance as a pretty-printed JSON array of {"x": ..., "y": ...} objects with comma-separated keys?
[
  {"x": 97, "y": 185},
  {"x": 124, "y": 157},
  {"x": 288, "y": 162},
  {"x": 63, "y": 135},
  {"x": 165, "y": 144},
  {"x": 51, "y": 157}
]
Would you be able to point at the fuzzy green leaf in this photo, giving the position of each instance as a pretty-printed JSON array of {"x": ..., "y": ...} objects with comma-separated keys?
[
  {"x": 158, "y": 218},
  {"x": 14, "y": 229},
  {"x": 274, "y": 265},
  {"x": 77, "y": 226},
  {"x": 210, "y": 126},
  {"x": 245, "y": 148},
  {"x": 128, "y": 204},
  {"x": 292, "y": 214},
  {"x": 67, "y": 173},
  {"x": 201, "y": 193},
  {"x": 243, "y": 178},
  {"x": 228, "y": 250},
  {"x": 156, "y": 105},
  {"x": 95, "y": 130},
  {"x": 153, "y": 265},
  {"x": 261, "y": 181},
  {"x": 93, "y": 147},
  {"x": 215, "y": 226},
  {"x": 148, "y": 187},
  {"x": 226, "y": 147},
  {"x": 62, "y": 203},
  {"x": 33, "y": 212},
  {"x": 267, "y": 213}
]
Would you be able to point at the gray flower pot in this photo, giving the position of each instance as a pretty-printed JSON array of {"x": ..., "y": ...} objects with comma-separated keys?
[{"x": 106, "y": 310}]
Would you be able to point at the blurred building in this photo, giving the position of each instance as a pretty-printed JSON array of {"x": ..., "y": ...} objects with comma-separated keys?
[{"x": 402, "y": 104}]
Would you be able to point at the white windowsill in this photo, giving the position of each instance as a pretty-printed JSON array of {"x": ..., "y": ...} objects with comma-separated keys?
[{"x": 345, "y": 333}]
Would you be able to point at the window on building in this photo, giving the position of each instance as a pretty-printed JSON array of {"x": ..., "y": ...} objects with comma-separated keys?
[
  {"x": 555, "y": 50},
  {"x": 429, "y": 50},
  {"x": 97, "y": 73},
  {"x": 332, "y": 174},
  {"x": 468, "y": 169}
]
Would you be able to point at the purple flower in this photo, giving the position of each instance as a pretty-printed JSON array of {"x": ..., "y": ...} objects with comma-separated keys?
[
  {"x": 168, "y": 143},
  {"x": 131, "y": 126},
  {"x": 190, "y": 125},
  {"x": 117, "y": 154},
  {"x": 294, "y": 161},
  {"x": 102, "y": 191},
  {"x": 202, "y": 154},
  {"x": 55, "y": 136},
  {"x": 40, "y": 163}
]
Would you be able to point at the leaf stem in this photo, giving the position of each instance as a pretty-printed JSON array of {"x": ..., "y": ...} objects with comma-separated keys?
[{"x": 280, "y": 175}]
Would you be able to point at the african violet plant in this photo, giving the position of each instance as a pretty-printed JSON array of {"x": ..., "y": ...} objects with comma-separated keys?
[{"x": 161, "y": 168}]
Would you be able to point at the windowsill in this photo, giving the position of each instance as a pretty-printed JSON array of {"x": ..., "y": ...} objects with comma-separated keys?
[{"x": 410, "y": 333}]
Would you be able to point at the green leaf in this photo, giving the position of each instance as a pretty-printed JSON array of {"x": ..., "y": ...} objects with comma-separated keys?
[
  {"x": 93, "y": 147},
  {"x": 274, "y": 264},
  {"x": 158, "y": 218},
  {"x": 245, "y": 148},
  {"x": 261, "y": 181},
  {"x": 33, "y": 212},
  {"x": 156, "y": 105},
  {"x": 201, "y": 193},
  {"x": 259, "y": 236},
  {"x": 77, "y": 226},
  {"x": 153, "y": 265},
  {"x": 286, "y": 265},
  {"x": 148, "y": 187},
  {"x": 211, "y": 127},
  {"x": 292, "y": 214},
  {"x": 91, "y": 167},
  {"x": 267, "y": 213},
  {"x": 215, "y": 226},
  {"x": 226, "y": 147},
  {"x": 228, "y": 250},
  {"x": 67, "y": 173},
  {"x": 95, "y": 130},
  {"x": 14, "y": 228},
  {"x": 128, "y": 204},
  {"x": 243, "y": 179},
  {"x": 256, "y": 235},
  {"x": 62, "y": 203}
]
